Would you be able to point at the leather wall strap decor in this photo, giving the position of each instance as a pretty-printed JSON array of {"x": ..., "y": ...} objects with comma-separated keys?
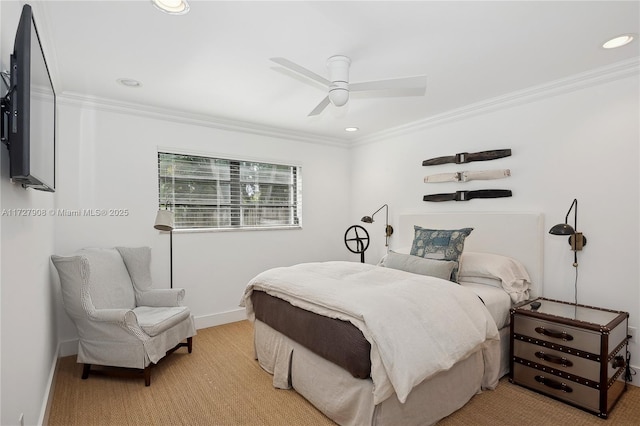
[
  {"x": 467, "y": 157},
  {"x": 467, "y": 176},
  {"x": 468, "y": 195}
]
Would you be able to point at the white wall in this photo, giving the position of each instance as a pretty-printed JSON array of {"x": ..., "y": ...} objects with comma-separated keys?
[
  {"x": 582, "y": 144},
  {"x": 29, "y": 338},
  {"x": 108, "y": 160}
]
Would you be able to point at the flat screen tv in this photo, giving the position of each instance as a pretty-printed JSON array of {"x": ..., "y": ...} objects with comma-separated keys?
[{"x": 30, "y": 111}]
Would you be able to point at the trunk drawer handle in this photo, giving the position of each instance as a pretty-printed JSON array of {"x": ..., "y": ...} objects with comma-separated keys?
[
  {"x": 554, "y": 384},
  {"x": 554, "y": 359},
  {"x": 555, "y": 334}
]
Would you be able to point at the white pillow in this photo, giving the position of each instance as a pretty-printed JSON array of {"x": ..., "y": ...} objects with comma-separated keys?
[
  {"x": 513, "y": 275},
  {"x": 418, "y": 265},
  {"x": 493, "y": 282}
]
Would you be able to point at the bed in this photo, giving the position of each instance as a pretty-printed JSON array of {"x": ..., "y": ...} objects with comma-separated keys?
[{"x": 395, "y": 362}]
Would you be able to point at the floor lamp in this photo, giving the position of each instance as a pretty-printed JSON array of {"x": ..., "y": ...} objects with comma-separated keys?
[{"x": 165, "y": 222}]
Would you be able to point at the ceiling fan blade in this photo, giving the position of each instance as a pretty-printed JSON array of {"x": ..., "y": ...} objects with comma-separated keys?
[
  {"x": 298, "y": 77},
  {"x": 321, "y": 106},
  {"x": 409, "y": 86},
  {"x": 301, "y": 70}
]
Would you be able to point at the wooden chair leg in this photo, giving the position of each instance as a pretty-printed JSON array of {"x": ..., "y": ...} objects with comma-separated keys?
[
  {"x": 147, "y": 375},
  {"x": 147, "y": 370},
  {"x": 85, "y": 371}
]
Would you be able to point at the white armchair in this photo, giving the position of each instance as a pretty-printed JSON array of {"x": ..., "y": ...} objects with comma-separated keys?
[{"x": 121, "y": 321}]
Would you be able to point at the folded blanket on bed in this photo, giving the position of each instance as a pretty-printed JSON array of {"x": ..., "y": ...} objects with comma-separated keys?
[{"x": 417, "y": 325}]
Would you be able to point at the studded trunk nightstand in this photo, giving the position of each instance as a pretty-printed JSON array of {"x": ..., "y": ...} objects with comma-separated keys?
[{"x": 574, "y": 353}]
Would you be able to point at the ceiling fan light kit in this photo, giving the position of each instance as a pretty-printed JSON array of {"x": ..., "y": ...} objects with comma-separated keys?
[
  {"x": 338, "y": 86},
  {"x": 339, "y": 94},
  {"x": 338, "y": 66}
]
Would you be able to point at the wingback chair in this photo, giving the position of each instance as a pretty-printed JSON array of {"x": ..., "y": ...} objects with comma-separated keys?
[{"x": 121, "y": 321}]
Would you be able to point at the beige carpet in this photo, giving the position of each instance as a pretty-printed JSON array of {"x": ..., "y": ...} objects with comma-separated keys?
[{"x": 221, "y": 384}]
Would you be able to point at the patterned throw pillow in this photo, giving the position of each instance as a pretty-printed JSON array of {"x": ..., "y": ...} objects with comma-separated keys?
[{"x": 441, "y": 244}]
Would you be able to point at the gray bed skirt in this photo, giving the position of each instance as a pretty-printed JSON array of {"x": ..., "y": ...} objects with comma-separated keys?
[{"x": 349, "y": 401}]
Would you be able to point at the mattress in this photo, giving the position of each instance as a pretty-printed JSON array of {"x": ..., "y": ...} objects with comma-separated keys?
[
  {"x": 339, "y": 341},
  {"x": 496, "y": 300}
]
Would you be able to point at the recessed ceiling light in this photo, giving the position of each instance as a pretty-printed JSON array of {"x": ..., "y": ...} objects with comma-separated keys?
[
  {"x": 351, "y": 129},
  {"x": 618, "y": 41},
  {"x": 129, "y": 82},
  {"x": 172, "y": 7}
]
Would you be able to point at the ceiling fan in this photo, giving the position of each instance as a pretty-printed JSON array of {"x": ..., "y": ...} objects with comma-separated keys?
[{"x": 339, "y": 87}]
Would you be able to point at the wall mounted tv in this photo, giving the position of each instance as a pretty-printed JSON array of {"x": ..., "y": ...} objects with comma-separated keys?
[{"x": 29, "y": 111}]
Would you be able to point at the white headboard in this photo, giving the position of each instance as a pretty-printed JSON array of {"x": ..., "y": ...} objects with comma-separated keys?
[{"x": 517, "y": 235}]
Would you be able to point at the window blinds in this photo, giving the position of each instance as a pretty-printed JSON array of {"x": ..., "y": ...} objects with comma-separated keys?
[{"x": 207, "y": 192}]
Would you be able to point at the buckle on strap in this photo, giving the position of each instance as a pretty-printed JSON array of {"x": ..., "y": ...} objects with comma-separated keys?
[
  {"x": 461, "y": 177},
  {"x": 461, "y": 196},
  {"x": 461, "y": 157}
]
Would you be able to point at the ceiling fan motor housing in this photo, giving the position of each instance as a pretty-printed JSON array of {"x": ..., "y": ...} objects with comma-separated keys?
[{"x": 339, "y": 75}]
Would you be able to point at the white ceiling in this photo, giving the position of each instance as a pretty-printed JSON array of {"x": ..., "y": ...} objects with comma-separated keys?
[{"x": 214, "y": 61}]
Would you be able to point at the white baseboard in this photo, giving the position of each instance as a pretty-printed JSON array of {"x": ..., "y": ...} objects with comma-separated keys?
[
  {"x": 67, "y": 348},
  {"x": 212, "y": 320},
  {"x": 48, "y": 394}
]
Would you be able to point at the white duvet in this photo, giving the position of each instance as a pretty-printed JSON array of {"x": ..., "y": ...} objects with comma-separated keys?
[{"x": 417, "y": 325}]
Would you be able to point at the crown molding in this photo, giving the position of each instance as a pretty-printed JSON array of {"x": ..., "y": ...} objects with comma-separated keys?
[
  {"x": 617, "y": 71},
  {"x": 575, "y": 82},
  {"x": 182, "y": 117}
]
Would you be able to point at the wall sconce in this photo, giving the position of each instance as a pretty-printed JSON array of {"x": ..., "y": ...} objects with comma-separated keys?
[
  {"x": 576, "y": 239},
  {"x": 388, "y": 230},
  {"x": 165, "y": 222}
]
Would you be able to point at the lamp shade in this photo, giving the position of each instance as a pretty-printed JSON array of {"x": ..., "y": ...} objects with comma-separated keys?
[
  {"x": 562, "y": 229},
  {"x": 367, "y": 219},
  {"x": 164, "y": 220}
]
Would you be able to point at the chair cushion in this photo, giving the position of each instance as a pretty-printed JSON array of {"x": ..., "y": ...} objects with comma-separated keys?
[{"x": 157, "y": 320}]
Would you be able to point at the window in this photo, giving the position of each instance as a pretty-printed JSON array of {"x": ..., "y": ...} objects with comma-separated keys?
[{"x": 206, "y": 192}]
